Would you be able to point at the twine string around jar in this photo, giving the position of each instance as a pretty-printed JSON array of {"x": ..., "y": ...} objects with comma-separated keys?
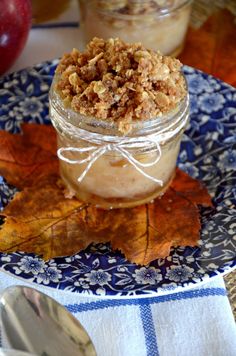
[
  {"x": 101, "y": 144},
  {"x": 94, "y": 153}
]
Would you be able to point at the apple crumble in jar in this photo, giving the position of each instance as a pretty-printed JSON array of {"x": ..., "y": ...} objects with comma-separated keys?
[
  {"x": 159, "y": 25},
  {"x": 120, "y": 111}
]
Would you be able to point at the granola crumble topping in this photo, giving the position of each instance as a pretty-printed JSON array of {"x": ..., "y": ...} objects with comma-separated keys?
[{"x": 113, "y": 80}]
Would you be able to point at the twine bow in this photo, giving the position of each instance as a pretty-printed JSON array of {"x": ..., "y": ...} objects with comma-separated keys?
[{"x": 122, "y": 147}]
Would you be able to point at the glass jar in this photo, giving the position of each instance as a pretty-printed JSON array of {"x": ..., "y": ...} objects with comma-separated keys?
[
  {"x": 159, "y": 25},
  {"x": 102, "y": 166}
]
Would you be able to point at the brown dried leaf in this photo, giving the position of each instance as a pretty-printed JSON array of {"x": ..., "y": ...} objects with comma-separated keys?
[
  {"x": 169, "y": 221},
  {"x": 40, "y": 219},
  {"x": 27, "y": 157},
  {"x": 43, "y": 136},
  {"x": 191, "y": 188},
  {"x": 217, "y": 35}
]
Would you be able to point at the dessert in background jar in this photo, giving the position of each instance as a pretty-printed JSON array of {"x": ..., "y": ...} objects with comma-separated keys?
[
  {"x": 159, "y": 25},
  {"x": 120, "y": 111}
]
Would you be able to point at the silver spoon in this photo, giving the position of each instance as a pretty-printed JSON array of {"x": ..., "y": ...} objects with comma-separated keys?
[{"x": 31, "y": 321}]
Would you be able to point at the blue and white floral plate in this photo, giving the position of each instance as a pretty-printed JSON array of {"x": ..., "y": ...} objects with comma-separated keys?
[{"x": 208, "y": 152}]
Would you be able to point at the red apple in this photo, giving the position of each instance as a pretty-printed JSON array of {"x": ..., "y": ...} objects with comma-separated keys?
[{"x": 15, "y": 22}]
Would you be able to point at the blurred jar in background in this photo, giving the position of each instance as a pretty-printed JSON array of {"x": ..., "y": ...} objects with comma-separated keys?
[
  {"x": 44, "y": 10},
  {"x": 159, "y": 25}
]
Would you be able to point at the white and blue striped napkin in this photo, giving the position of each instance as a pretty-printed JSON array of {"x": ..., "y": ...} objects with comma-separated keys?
[{"x": 196, "y": 322}]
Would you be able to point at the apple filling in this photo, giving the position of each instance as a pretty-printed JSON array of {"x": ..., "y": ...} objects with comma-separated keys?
[{"x": 113, "y": 182}]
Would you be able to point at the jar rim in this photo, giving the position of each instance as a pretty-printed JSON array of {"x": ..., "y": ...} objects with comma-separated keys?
[
  {"x": 162, "y": 13},
  {"x": 138, "y": 127}
]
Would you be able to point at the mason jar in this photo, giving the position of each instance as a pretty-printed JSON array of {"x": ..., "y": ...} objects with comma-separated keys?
[
  {"x": 102, "y": 166},
  {"x": 159, "y": 25}
]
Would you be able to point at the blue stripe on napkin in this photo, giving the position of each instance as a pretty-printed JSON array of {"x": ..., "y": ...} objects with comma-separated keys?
[
  {"x": 149, "y": 330},
  {"x": 103, "y": 304}
]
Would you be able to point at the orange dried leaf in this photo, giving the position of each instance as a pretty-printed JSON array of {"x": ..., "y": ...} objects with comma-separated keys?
[
  {"x": 150, "y": 230},
  {"x": 43, "y": 136},
  {"x": 191, "y": 188},
  {"x": 212, "y": 47},
  {"x": 27, "y": 157},
  {"x": 41, "y": 220}
]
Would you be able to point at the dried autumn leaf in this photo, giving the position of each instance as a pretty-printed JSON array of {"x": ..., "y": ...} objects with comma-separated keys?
[
  {"x": 43, "y": 136},
  {"x": 26, "y": 157},
  {"x": 212, "y": 47},
  {"x": 41, "y": 220},
  {"x": 169, "y": 221},
  {"x": 191, "y": 188}
]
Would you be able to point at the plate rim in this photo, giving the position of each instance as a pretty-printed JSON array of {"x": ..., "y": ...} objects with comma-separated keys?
[
  {"x": 226, "y": 267},
  {"x": 84, "y": 294}
]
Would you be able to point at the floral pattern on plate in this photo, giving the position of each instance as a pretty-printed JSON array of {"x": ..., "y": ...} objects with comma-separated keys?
[{"x": 208, "y": 152}]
